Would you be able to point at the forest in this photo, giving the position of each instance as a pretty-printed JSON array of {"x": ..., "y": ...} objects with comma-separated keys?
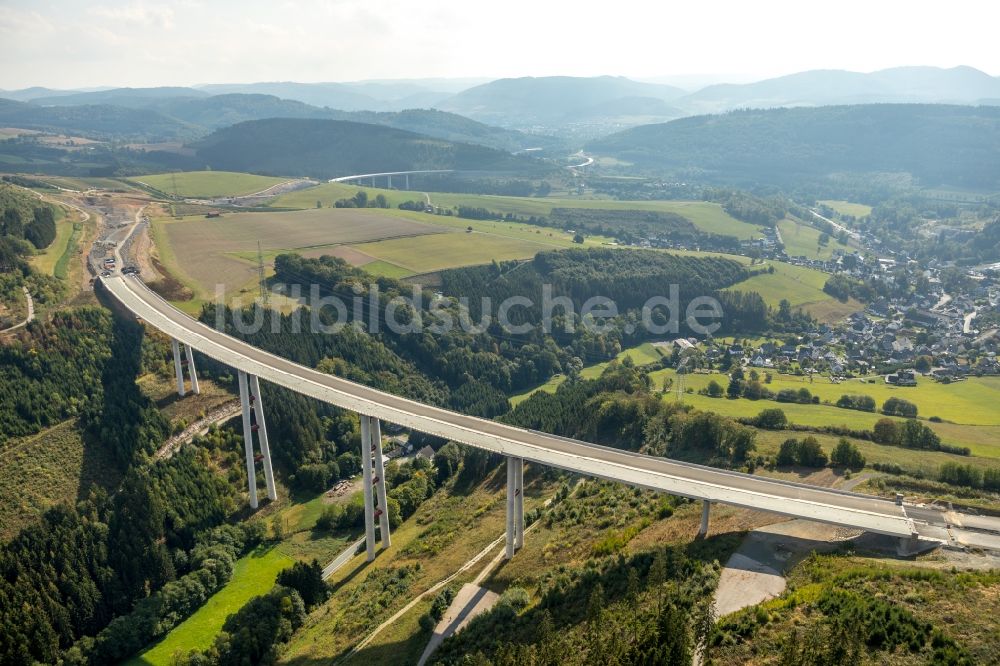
[
  {"x": 65, "y": 578},
  {"x": 329, "y": 148},
  {"x": 935, "y": 144},
  {"x": 629, "y": 279},
  {"x": 24, "y": 217}
]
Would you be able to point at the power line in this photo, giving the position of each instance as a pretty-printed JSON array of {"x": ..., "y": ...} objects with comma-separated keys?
[{"x": 260, "y": 274}]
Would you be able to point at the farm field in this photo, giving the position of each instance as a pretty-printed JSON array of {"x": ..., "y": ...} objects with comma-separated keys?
[
  {"x": 706, "y": 216},
  {"x": 425, "y": 254},
  {"x": 970, "y": 402},
  {"x": 803, "y": 240},
  {"x": 981, "y": 440},
  {"x": 204, "y": 252},
  {"x": 207, "y": 184},
  {"x": 519, "y": 230},
  {"x": 848, "y": 208},
  {"x": 803, "y": 287},
  {"x": 769, "y": 442}
]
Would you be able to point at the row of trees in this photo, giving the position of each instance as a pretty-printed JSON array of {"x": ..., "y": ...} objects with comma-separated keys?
[
  {"x": 808, "y": 452},
  {"x": 361, "y": 200}
]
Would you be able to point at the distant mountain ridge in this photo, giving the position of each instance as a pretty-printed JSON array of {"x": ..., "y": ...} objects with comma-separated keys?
[
  {"x": 936, "y": 144},
  {"x": 579, "y": 108},
  {"x": 958, "y": 85},
  {"x": 546, "y": 100},
  {"x": 171, "y": 114},
  {"x": 101, "y": 121}
]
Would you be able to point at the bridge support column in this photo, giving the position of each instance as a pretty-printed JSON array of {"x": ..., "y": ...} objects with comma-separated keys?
[
  {"x": 706, "y": 506},
  {"x": 390, "y": 182},
  {"x": 248, "y": 438},
  {"x": 407, "y": 178},
  {"x": 519, "y": 504},
  {"x": 265, "y": 447},
  {"x": 178, "y": 368},
  {"x": 366, "y": 475},
  {"x": 381, "y": 505},
  {"x": 515, "y": 506},
  {"x": 191, "y": 370}
]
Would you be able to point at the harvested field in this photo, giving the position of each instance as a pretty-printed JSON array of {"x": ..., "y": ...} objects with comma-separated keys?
[
  {"x": 345, "y": 252},
  {"x": 203, "y": 252}
]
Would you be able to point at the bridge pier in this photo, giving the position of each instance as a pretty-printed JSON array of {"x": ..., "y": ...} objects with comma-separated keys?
[
  {"x": 389, "y": 181},
  {"x": 373, "y": 476},
  {"x": 406, "y": 178},
  {"x": 706, "y": 506},
  {"x": 379, "y": 468},
  {"x": 191, "y": 370},
  {"x": 250, "y": 400},
  {"x": 515, "y": 505},
  {"x": 265, "y": 447},
  {"x": 248, "y": 438},
  {"x": 178, "y": 368}
]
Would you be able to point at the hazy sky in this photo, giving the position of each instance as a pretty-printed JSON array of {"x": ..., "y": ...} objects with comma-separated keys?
[{"x": 71, "y": 43}]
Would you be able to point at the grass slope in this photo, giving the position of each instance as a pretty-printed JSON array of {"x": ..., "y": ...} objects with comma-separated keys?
[
  {"x": 207, "y": 184},
  {"x": 706, "y": 216},
  {"x": 425, "y": 254},
  {"x": 643, "y": 354},
  {"x": 803, "y": 287},
  {"x": 970, "y": 402},
  {"x": 803, "y": 240},
  {"x": 848, "y": 208},
  {"x": 253, "y": 575}
]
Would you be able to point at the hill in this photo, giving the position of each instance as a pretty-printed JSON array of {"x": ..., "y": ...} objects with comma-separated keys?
[
  {"x": 958, "y": 85},
  {"x": 373, "y": 95},
  {"x": 453, "y": 127},
  {"x": 102, "y": 121},
  {"x": 184, "y": 113},
  {"x": 224, "y": 110},
  {"x": 551, "y": 101},
  {"x": 333, "y": 95},
  {"x": 329, "y": 148},
  {"x": 128, "y": 97},
  {"x": 957, "y": 145}
]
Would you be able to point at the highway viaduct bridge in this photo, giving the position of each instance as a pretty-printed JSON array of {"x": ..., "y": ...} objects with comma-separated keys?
[
  {"x": 388, "y": 176},
  {"x": 707, "y": 484}
]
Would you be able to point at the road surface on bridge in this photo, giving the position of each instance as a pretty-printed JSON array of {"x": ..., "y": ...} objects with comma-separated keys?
[{"x": 686, "y": 479}]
